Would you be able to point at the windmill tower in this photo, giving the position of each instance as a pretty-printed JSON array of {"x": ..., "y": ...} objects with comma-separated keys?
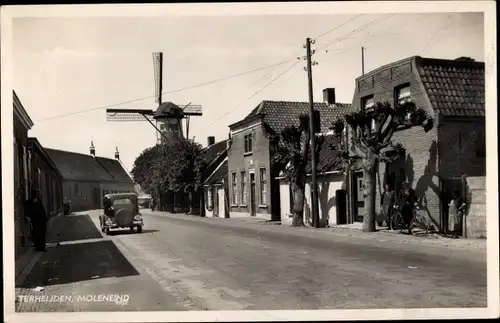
[{"x": 167, "y": 118}]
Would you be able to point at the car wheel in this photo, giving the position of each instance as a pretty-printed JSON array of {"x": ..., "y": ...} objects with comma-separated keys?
[{"x": 139, "y": 229}]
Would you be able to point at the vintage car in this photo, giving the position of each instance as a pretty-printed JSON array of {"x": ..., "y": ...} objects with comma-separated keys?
[{"x": 121, "y": 210}]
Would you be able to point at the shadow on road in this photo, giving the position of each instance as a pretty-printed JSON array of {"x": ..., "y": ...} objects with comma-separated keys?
[
  {"x": 72, "y": 228},
  {"x": 127, "y": 231},
  {"x": 79, "y": 262}
]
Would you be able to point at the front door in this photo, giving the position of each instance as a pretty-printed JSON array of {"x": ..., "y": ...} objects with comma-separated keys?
[
  {"x": 96, "y": 198},
  {"x": 253, "y": 206},
  {"x": 359, "y": 198},
  {"x": 215, "y": 200}
]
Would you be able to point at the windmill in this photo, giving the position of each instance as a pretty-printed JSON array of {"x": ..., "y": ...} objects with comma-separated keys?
[{"x": 168, "y": 117}]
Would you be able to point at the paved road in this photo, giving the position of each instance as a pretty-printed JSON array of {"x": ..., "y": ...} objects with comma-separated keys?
[{"x": 190, "y": 263}]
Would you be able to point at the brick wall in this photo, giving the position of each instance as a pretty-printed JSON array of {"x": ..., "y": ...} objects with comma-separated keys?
[
  {"x": 460, "y": 142},
  {"x": 239, "y": 161},
  {"x": 420, "y": 165},
  {"x": 20, "y": 228}
]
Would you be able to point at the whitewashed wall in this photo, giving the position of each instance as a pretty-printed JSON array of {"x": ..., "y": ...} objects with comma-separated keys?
[{"x": 327, "y": 185}]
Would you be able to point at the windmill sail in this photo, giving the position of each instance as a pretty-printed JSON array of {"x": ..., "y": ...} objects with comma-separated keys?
[{"x": 158, "y": 74}]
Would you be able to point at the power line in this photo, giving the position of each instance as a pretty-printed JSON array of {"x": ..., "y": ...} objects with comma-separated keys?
[
  {"x": 257, "y": 92},
  {"x": 374, "y": 22},
  {"x": 169, "y": 92},
  {"x": 337, "y": 27},
  {"x": 431, "y": 43}
]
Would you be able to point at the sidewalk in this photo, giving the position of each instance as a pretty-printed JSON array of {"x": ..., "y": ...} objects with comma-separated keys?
[
  {"x": 346, "y": 231},
  {"x": 25, "y": 262}
]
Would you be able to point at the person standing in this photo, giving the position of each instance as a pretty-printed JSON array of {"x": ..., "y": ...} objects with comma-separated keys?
[
  {"x": 387, "y": 203},
  {"x": 456, "y": 209},
  {"x": 36, "y": 213}
]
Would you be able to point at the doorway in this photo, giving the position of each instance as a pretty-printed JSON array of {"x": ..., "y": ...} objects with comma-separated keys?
[
  {"x": 359, "y": 199},
  {"x": 215, "y": 199},
  {"x": 253, "y": 206}
]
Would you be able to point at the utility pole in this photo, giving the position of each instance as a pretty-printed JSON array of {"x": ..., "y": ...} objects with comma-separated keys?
[
  {"x": 362, "y": 60},
  {"x": 314, "y": 184}
]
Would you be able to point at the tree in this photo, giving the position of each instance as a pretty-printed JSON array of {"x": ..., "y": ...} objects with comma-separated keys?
[
  {"x": 290, "y": 151},
  {"x": 143, "y": 165},
  {"x": 371, "y": 141},
  {"x": 175, "y": 166},
  {"x": 185, "y": 167}
]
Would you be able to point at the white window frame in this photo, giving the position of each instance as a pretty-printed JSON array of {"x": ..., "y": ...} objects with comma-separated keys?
[
  {"x": 234, "y": 183},
  {"x": 244, "y": 187},
  {"x": 263, "y": 183}
]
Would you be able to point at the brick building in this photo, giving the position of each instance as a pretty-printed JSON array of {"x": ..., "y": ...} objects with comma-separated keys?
[
  {"x": 452, "y": 92},
  {"x": 46, "y": 177},
  {"x": 253, "y": 181},
  {"x": 22, "y": 124},
  {"x": 87, "y": 178}
]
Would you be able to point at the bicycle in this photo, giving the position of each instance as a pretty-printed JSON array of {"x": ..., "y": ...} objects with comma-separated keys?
[{"x": 397, "y": 221}]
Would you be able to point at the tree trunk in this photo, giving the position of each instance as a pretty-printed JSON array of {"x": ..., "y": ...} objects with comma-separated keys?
[
  {"x": 369, "y": 192},
  {"x": 190, "y": 201},
  {"x": 298, "y": 195}
]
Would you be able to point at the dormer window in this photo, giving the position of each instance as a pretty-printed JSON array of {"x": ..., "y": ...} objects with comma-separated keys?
[{"x": 403, "y": 94}]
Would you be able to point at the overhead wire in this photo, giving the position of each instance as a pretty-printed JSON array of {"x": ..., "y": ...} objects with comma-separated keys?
[
  {"x": 441, "y": 30},
  {"x": 254, "y": 94},
  {"x": 168, "y": 92}
]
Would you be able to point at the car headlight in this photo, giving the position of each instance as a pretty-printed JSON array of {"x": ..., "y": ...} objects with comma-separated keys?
[{"x": 138, "y": 217}]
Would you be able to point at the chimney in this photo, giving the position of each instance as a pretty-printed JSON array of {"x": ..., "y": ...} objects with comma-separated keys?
[
  {"x": 117, "y": 154},
  {"x": 210, "y": 141},
  {"x": 92, "y": 148},
  {"x": 329, "y": 96}
]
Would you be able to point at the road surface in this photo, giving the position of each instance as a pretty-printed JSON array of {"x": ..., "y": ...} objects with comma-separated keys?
[{"x": 183, "y": 262}]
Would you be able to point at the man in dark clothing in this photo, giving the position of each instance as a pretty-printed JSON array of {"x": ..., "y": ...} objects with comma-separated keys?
[{"x": 36, "y": 213}]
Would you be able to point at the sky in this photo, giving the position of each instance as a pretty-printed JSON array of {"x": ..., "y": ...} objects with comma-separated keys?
[{"x": 67, "y": 70}]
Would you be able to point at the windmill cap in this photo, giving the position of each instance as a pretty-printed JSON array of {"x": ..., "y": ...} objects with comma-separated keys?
[{"x": 169, "y": 110}]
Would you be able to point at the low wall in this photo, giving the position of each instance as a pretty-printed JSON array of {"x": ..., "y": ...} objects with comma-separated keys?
[{"x": 475, "y": 224}]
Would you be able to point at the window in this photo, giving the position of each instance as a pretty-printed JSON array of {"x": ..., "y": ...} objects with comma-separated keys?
[
  {"x": 235, "y": 188},
  {"x": 122, "y": 202},
  {"x": 77, "y": 191},
  {"x": 263, "y": 186},
  {"x": 402, "y": 95},
  {"x": 367, "y": 103},
  {"x": 248, "y": 143},
  {"x": 360, "y": 186},
  {"x": 243, "y": 182}
]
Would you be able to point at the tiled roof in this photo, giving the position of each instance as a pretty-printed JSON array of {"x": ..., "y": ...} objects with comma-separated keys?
[
  {"x": 215, "y": 150},
  {"x": 454, "y": 87},
  {"x": 115, "y": 169},
  {"x": 279, "y": 114},
  {"x": 329, "y": 160},
  {"x": 219, "y": 174},
  {"x": 75, "y": 166}
]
